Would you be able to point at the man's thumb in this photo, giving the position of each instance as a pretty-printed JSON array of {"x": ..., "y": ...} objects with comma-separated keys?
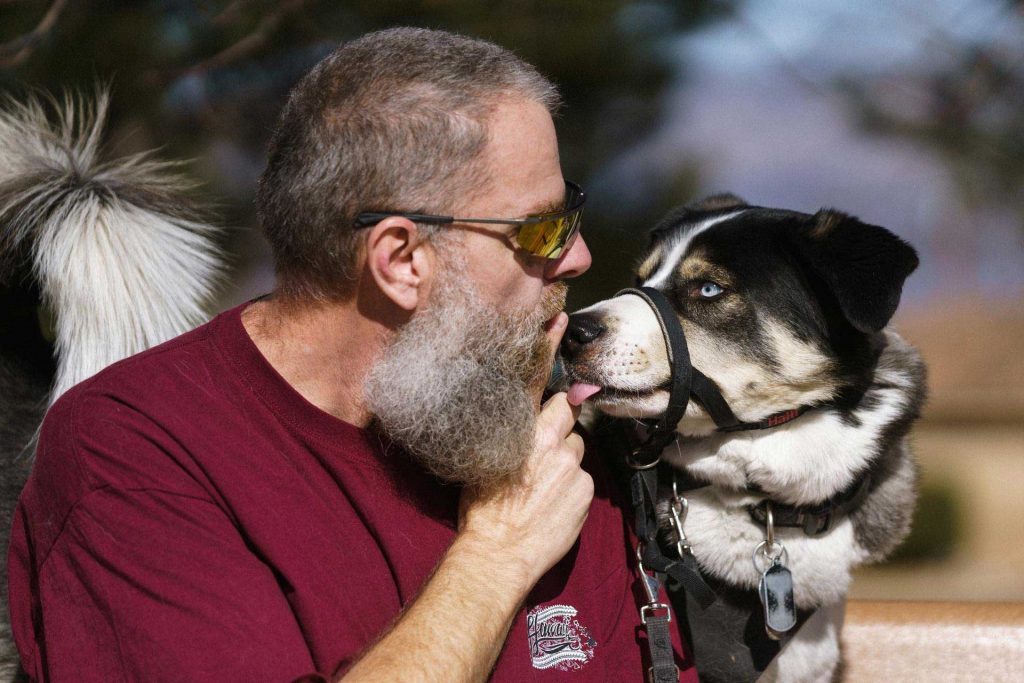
[{"x": 554, "y": 331}]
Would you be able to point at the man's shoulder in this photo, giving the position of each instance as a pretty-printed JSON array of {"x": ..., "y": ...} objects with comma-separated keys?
[
  {"x": 111, "y": 424},
  {"x": 136, "y": 374},
  {"x": 167, "y": 376}
]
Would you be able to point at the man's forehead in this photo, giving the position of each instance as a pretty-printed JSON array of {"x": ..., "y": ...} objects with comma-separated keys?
[{"x": 521, "y": 160}]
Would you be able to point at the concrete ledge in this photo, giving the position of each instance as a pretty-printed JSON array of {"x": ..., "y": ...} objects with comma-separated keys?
[{"x": 933, "y": 641}]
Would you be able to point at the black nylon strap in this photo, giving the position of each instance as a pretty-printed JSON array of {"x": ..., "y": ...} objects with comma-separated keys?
[
  {"x": 684, "y": 571},
  {"x": 708, "y": 395},
  {"x": 664, "y": 429},
  {"x": 649, "y": 478},
  {"x": 659, "y": 645},
  {"x": 686, "y": 379},
  {"x": 640, "y": 514},
  {"x": 678, "y": 356},
  {"x": 815, "y": 520},
  {"x": 644, "y": 487},
  {"x": 687, "y": 574}
]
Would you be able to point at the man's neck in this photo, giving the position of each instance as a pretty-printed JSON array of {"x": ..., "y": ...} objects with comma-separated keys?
[{"x": 322, "y": 350}]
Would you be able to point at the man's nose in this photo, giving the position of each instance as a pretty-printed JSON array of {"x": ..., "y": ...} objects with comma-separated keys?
[{"x": 575, "y": 261}]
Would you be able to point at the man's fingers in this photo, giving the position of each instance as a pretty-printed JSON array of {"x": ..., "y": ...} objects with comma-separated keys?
[
  {"x": 558, "y": 414},
  {"x": 575, "y": 442}
]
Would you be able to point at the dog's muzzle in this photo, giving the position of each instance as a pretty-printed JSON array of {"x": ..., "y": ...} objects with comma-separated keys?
[{"x": 686, "y": 381}]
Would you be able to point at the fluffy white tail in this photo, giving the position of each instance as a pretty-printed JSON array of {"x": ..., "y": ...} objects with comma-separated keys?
[{"x": 122, "y": 260}]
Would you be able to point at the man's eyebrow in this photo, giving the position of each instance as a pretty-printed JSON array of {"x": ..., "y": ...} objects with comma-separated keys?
[{"x": 550, "y": 206}]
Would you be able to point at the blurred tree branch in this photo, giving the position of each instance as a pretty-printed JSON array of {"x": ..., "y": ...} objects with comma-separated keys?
[
  {"x": 17, "y": 50},
  {"x": 231, "y": 13},
  {"x": 252, "y": 43},
  {"x": 967, "y": 106}
]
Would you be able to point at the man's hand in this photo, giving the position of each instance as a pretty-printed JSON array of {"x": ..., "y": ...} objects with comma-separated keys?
[{"x": 532, "y": 523}]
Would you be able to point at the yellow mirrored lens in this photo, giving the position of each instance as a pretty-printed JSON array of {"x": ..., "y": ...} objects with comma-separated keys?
[{"x": 547, "y": 238}]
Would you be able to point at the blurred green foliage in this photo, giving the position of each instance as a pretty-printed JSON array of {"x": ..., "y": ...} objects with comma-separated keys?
[
  {"x": 205, "y": 80},
  {"x": 937, "y": 528}
]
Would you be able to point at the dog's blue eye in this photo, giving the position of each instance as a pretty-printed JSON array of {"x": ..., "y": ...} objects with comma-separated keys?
[{"x": 710, "y": 290}]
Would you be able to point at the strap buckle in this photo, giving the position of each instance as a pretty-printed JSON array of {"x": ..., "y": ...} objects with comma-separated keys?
[
  {"x": 652, "y": 609},
  {"x": 652, "y": 678},
  {"x": 816, "y": 524},
  {"x": 652, "y": 587}
]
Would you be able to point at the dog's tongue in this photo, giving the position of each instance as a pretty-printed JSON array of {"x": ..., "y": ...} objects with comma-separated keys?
[{"x": 578, "y": 393}]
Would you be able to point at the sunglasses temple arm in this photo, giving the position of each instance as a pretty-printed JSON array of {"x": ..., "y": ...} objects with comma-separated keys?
[{"x": 370, "y": 218}]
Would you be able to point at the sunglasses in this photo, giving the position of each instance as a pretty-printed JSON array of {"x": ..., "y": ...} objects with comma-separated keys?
[{"x": 548, "y": 235}]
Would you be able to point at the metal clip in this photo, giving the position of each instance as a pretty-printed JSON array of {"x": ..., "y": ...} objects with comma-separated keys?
[
  {"x": 679, "y": 507},
  {"x": 769, "y": 550},
  {"x": 652, "y": 587}
]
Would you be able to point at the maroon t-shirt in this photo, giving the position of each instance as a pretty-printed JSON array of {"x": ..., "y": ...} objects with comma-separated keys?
[{"x": 191, "y": 517}]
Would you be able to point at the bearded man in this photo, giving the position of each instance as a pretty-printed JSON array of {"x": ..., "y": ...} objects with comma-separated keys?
[{"x": 353, "y": 476}]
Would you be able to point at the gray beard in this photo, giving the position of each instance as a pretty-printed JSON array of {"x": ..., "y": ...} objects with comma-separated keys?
[{"x": 455, "y": 387}]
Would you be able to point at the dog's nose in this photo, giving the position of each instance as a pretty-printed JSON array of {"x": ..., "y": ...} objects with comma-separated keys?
[{"x": 583, "y": 329}]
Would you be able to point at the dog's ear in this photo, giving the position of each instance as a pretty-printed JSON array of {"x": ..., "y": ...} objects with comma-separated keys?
[
  {"x": 864, "y": 266},
  {"x": 717, "y": 202}
]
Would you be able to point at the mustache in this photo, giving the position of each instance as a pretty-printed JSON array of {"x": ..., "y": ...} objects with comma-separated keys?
[{"x": 553, "y": 302}]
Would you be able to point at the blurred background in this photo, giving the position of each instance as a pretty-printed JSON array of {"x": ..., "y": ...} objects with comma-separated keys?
[{"x": 908, "y": 114}]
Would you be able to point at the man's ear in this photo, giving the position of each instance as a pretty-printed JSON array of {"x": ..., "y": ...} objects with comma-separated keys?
[
  {"x": 400, "y": 261},
  {"x": 864, "y": 266}
]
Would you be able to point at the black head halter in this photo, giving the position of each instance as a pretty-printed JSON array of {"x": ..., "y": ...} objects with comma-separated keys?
[{"x": 685, "y": 381}]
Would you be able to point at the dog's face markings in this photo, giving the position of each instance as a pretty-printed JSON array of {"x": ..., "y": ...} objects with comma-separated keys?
[
  {"x": 648, "y": 265},
  {"x": 676, "y": 247},
  {"x": 759, "y": 299}
]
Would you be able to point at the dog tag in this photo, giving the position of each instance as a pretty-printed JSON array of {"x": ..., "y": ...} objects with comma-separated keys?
[{"x": 776, "y": 593}]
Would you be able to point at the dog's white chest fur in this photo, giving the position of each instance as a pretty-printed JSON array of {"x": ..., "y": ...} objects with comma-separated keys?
[{"x": 723, "y": 537}]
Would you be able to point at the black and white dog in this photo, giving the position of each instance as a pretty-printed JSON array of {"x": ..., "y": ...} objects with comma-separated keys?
[
  {"x": 98, "y": 260},
  {"x": 786, "y": 313}
]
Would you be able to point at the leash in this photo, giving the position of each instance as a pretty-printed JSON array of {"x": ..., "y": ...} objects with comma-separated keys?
[{"x": 653, "y": 565}]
